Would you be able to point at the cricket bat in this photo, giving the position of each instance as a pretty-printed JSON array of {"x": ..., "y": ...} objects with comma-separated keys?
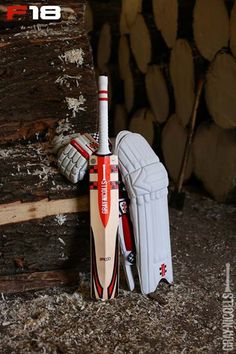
[{"x": 104, "y": 209}]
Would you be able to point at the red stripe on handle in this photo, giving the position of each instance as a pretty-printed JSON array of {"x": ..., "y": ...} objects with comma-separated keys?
[
  {"x": 103, "y": 99},
  {"x": 102, "y": 91},
  {"x": 114, "y": 281}
]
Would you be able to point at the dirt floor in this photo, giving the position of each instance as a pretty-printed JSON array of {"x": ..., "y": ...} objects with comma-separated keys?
[{"x": 185, "y": 318}]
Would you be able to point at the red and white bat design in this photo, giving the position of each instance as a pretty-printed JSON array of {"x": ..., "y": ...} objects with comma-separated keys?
[
  {"x": 104, "y": 209},
  {"x": 126, "y": 237}
]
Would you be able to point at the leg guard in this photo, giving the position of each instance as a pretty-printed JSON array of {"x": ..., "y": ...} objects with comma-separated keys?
[{"x": 146, "y": 181}]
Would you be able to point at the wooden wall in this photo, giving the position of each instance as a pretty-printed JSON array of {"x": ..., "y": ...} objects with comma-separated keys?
[{"x": 47, "y": 88}]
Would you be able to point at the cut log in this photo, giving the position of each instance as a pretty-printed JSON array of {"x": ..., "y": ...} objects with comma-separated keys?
[
  {"x": 140, "y": 43},
  {"x": 166, "y": 19},
  {"x": 124, "y": 29},
  {"x": 211, "y": 27},
  {"x": 157, "y": 93},
  {"x": 142, "y": 122},
  {"x": 182, "y": 76},
  {"x": 233, "y": 30},
  {"x": 174, "y": 138},
  {"x": 134, "y": 90},
  {"x": 120, "y": 118},
  {"x": 88, "y": 18},
  {"x": 214, "y": 152},
  {"x": 129, "y": 90},
  {"x": 104, "y": 47},
  {"x": 123, "y": 56},
  {"x": 221, "y": 89},
  {"x": 131, "y": 8}
]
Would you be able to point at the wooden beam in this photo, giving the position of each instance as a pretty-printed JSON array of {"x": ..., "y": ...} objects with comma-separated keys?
[
  {"x": 39, "y": 280},
  {"x": 19, "y": 212}
]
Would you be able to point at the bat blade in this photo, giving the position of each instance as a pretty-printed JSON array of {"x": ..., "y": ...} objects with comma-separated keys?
[{"x": 104, "y": 219}]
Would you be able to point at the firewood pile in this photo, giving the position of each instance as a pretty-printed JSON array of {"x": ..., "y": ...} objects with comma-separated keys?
[
  {"x": 155, "y": 52},
  {"x": 47, "y": 88}
]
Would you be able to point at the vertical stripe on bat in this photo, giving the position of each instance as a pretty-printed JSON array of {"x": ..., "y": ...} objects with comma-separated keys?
[{"x": 114, "y": 280}]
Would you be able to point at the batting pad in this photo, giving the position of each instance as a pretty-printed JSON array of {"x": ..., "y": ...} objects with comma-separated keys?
[{"x": 146, "y": 182}]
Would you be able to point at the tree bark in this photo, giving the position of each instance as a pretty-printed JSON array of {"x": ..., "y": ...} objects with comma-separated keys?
[
  {"x": 52, "y": 243},
  {"x": 47, "y": 88},
  {"x": 17, "y": 283},
  {"x": 54, "y": 64}
]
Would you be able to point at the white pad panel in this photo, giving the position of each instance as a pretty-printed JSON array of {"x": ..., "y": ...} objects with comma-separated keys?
[{"x": 146, "y": 181}]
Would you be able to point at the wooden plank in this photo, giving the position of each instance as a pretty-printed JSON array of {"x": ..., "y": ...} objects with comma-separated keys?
[
  {"x": 19, "y": 212},
  {"x": 38, "y": 280}
]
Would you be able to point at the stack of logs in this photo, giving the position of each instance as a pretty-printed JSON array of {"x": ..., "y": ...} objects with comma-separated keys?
[
  {"x": 155, "y": 51},
  {"x": 47, "y": 87}
]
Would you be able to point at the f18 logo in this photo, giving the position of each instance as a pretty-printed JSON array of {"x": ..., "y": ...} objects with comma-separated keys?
[{"x": 49, "y": 12}]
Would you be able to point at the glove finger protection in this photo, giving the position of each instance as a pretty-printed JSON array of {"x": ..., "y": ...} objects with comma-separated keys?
[{"x": 73, "y": 158}]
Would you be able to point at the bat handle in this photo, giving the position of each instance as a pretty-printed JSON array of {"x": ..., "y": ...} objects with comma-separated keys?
[{"x": 103, "y": 116}]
